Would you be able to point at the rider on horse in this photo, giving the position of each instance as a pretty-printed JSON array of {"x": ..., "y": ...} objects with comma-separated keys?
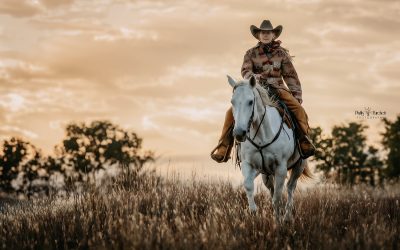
[{"x": 268, "y": 62}]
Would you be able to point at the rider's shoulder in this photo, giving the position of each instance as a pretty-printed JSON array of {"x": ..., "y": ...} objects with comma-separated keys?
[
  {"x": 253, "y": 49},
  {"x": 257, "y": 46},
  {"x": 283, "y": 52}
]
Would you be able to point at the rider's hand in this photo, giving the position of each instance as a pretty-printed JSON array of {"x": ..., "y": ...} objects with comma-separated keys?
[
  {"x": 267, "y": 68},
  {"x": 257, "y": 77}
]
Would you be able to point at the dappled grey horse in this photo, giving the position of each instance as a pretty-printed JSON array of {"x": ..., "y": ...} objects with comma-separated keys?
[{"x": 267, "y": 145}]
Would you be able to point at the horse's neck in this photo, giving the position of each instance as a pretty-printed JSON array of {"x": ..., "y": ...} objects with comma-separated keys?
[{"x": 269, "y": 124}]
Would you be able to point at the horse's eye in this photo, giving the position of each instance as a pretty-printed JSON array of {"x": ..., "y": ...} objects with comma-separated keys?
[{"x": 250, "y": 103}]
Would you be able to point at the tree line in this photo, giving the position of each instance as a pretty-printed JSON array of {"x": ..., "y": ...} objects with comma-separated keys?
[
  {"x": 86, "y": 149},
  {"x": 344, "y": 156}
]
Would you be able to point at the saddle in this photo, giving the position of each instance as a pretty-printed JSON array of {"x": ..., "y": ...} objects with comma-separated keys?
[
  {"x": 290, "y": 119},
  {"x": 287, "y": 115}
]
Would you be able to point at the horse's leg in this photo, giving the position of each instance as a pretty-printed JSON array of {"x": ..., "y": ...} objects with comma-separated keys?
[
  {"x": 269, "y": 183},
  {"x": 291, "y": 186},
  {"x": 280, "y": 175},
  {"x": 249, "y": 174}
]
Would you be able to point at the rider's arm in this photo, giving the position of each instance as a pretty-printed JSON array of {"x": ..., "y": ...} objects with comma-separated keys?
[
  {"x": 289, "y": 74},
  {"x": 247, "y": 67}
]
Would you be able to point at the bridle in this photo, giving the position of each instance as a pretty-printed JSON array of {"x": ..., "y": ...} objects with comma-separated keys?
[
  {"x": 252, "y": 112},
  {"x": 251, "y": 117}
]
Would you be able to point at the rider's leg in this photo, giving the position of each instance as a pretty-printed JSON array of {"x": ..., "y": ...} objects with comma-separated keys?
[
  {"x": 295, "y": 107},
  {"x": 222, "y": 151}
]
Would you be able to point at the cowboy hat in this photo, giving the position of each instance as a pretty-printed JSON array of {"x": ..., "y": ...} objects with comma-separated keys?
[{"x": 266, "y": 25}]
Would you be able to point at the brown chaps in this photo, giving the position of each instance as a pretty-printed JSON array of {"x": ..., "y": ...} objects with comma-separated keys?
[{"x": 295, "y": 107}]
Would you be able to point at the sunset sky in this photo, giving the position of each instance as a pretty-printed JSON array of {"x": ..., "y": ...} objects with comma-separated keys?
[{"x": 159, "y": 67}]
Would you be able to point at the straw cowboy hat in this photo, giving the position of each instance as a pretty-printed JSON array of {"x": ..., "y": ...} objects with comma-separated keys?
[{"x": 266, "y": 25}]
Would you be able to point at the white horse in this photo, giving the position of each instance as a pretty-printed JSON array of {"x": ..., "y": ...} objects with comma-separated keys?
[{"x": 266, "y": 145}]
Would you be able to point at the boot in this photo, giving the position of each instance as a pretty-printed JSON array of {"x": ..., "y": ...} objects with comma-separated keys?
[
  {"x": 306, "y": 147},
  {"x": 221, "y": 153}
]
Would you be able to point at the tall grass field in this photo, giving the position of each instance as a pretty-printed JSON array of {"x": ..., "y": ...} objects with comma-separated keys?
[{"x": 154, "y": 213}]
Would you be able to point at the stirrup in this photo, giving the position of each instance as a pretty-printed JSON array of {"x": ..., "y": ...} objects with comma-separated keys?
[
  {"x": 305, "y": 155},
  {"x": 221, "y": 158},
  {"x": 226, "y": 141}
]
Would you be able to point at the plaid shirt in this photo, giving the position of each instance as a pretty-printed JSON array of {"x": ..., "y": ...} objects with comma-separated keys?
[{"x": 270, "y": 68}]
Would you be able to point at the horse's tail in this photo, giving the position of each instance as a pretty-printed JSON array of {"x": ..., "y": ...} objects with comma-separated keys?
[{"x": 306, "y": 172}]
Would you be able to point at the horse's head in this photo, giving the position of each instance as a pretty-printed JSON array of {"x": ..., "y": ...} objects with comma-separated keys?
[{"x": 243, "y": 101}]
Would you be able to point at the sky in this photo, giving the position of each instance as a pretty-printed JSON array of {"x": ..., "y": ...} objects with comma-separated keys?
[{"x": 159, "y": 68}]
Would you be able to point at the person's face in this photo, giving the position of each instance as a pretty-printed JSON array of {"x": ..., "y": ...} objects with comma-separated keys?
[{"x": 266, "y": 36}]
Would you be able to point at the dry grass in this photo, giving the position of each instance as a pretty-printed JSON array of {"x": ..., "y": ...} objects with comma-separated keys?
[{"x": 153, "y": 214}]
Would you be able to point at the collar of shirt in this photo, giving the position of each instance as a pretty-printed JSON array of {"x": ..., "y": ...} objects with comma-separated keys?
[{"x": 270, "y": 47}]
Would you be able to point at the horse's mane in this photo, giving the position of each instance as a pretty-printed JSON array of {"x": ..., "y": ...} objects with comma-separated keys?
[
  {"x": 267, "y": 100},
  {"x": 258, "y": 89}
]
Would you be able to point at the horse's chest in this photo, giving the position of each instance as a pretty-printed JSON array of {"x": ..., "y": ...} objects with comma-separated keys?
[{"x": 264, "y": 161}]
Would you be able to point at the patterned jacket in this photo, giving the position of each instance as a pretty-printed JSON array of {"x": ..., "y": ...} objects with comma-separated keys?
[{"x": 270, "y": 65}]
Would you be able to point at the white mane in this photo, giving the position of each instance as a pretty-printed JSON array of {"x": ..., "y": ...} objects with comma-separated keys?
[{"x": 266, "y": 99}]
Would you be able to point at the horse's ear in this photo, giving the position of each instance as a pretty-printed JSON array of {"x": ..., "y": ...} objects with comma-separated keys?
[
  {"x": 231, "y": 81},
  {"x": 252, "y": 81}
]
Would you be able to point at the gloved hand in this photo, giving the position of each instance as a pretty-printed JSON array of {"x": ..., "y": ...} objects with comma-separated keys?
[
  {"x": 267, "y": 68},
  {"x": 257, "y": 77}
]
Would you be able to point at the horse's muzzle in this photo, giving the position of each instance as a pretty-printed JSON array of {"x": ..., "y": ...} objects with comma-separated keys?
[{"x": 239, "y": 134}]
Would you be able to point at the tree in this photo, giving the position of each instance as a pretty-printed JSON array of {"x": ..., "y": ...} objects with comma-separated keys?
[
  {"x": 391, "y": 141},
  {"x": 13, "y": 153},
  {"x": 88, "y": 148},
  {"x": 323, "y": 154},
  {"x": 345, "y": 155},
  {"x": 21, "y": 163}
]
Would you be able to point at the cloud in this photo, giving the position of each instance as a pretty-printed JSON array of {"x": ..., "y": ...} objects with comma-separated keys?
[
  {"x": 8, "y": 131},
  {"x": 19, "y": 8},
  {"x": 56, "y": 3},
  {"x": 29, "y": 8},
  {"x": 126, "y": 33},
  {"x": 12, "y": 102},
  {"x": 159, "y": 67}
]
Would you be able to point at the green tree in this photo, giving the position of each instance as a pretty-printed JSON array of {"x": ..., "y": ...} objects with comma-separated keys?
[
  {"x": 345, "y": 156},
  {"x": 88, "y": 148},
  {"x": 391, "y": 142}
]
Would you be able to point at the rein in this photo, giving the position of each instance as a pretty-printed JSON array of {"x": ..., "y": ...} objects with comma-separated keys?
[{"x": 258, "y": 147}]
